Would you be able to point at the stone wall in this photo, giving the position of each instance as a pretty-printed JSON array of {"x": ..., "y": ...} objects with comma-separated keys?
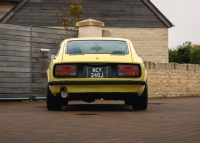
[
  {"x": 173, "y": 80},
  {"x": 150, "y": 43}
]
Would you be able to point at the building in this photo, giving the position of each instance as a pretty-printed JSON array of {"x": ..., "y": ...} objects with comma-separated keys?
[
  {"x": 138, "y": 20},
  {"x": 6, "y": 6}
]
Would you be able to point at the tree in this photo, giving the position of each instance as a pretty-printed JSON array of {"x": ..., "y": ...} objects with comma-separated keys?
[
  {"x": 183, "y": 53},
  {"x": 195, "y": 54},
  {"x": 71, "y": 16},
  {"x": 186, "y": 53},
  {"x": 173, "y": 56}
]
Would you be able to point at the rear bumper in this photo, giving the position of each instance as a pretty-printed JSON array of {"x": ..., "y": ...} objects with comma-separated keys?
[
  {"x": 98, "y": 86},
  {"x": 96, "y": 82}
]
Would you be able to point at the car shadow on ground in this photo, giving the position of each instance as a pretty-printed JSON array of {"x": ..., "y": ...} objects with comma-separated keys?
[
  {"x": 101, "y": 107},
  {"x": 97, "y": 107}
]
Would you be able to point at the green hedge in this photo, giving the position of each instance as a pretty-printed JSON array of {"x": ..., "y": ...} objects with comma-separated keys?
[{"x": 186, "y": 53}]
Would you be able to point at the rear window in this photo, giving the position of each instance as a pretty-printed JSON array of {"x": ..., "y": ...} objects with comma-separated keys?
[{"x": 97, "y": 47}]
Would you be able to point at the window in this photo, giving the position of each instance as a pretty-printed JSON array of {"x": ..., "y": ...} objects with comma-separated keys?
[{"x": 97, "y": 47}]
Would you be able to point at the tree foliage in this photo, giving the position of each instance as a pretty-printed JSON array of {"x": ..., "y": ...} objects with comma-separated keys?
[
  {"x": 186, "y": 53},
  {"x": 71, "y": 16},
  {"x": 195, "y": 55},
  {"x": 173, "y": 56}
]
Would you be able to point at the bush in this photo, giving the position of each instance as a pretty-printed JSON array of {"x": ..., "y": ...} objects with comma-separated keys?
[
  {"x": 173, "y": 56},
  {"x": 183, "y": 54},
  {"x": 195, "y": 56},
  {"x": 186, "y": 53}
]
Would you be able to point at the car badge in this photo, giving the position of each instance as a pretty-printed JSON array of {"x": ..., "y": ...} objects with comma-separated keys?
[{"x": 97, "y": 58}]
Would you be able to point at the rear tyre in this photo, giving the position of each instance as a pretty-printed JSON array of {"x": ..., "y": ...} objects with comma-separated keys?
[
  {"x": 128, "y": 102},
  {"x": 140, "y": 103},
  {"x": 53, "y": 102}
]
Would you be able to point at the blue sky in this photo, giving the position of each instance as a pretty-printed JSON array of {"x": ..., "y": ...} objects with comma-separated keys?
[{"x": 185, "y": 15}]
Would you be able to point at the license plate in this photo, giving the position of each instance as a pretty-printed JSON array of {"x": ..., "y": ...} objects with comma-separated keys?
[{"x": 97, "y": 72}]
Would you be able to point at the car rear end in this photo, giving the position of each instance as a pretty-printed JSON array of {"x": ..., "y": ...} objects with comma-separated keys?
[{"x": 89, "y": 69}]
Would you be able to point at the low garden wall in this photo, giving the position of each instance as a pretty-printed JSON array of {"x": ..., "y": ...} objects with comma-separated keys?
[{"x": 173, "y": 80}]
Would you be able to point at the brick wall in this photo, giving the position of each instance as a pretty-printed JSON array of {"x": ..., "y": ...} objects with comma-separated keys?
[
  {"x": 173, "y": 80},
  {"x": 150, "y": 43}
]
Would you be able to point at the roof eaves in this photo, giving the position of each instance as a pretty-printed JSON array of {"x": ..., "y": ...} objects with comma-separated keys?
[
  {"x": 158, "y": 13},
  {"x": 13, "y": 11}
]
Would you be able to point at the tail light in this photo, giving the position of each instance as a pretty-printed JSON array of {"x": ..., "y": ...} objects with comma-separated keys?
[
  {"x": 128, "y": 70},
  {"x": 65, "y": 70}
]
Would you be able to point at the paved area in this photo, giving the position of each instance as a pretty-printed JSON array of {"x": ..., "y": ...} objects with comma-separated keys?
[{"x": 166, "y": 120}]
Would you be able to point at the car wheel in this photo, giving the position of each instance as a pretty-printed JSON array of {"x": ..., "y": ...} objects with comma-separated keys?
[
  {"x": 140, "y": 103},
  {"x": 128, "y": 102},
  {"x": 53, "y": 102}
]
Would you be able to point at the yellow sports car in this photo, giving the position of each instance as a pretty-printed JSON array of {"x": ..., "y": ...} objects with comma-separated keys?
[{"x": 97, "y": 68}]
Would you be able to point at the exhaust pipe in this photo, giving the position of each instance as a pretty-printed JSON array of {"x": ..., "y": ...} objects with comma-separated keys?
[{"x": 63, "y": 92}]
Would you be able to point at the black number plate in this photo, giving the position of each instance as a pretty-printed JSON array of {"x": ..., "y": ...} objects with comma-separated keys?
[{"x": 97, "y": 72}]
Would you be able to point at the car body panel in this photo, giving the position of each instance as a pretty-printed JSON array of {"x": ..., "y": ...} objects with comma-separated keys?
[
  {"x": 97, "y": 58},
  {"x": 105, "y": 88}
]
